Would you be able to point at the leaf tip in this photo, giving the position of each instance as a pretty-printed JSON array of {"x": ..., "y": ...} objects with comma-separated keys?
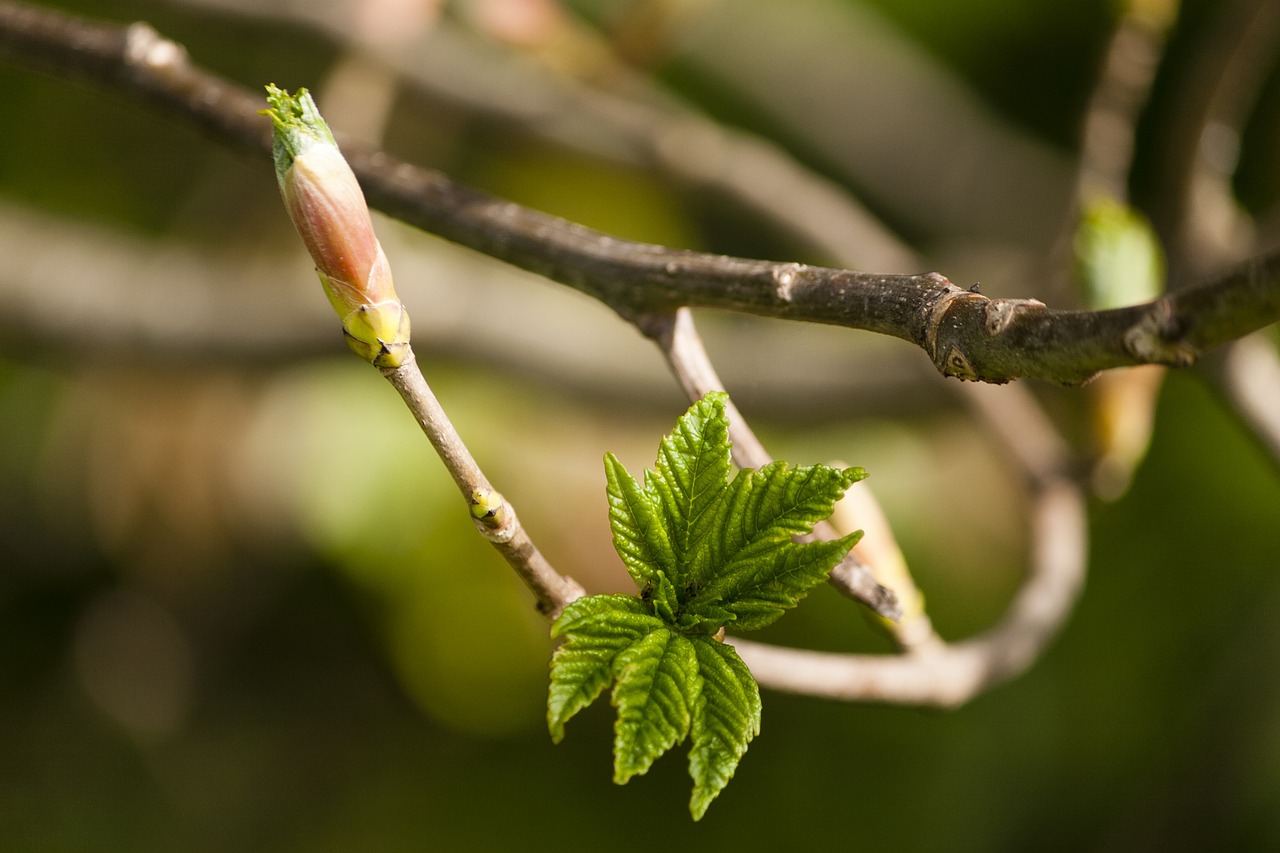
[{"x": 853, "y": 475}]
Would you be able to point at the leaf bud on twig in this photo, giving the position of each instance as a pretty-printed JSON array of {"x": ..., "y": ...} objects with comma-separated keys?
[{"x": 331, "y": 215}]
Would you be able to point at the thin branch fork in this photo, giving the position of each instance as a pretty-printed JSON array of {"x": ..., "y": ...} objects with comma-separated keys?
[{"x": 965, "y": 334}]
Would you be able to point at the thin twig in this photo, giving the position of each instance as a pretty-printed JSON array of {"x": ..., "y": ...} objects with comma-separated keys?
[
  {"x": 681, "y": 345},
  {"x": 1121, "y": 93},
  {"x": 494, "y": 517},
  {"x": 965, "y": 334},
  {"x": 1018, "y": 423}
]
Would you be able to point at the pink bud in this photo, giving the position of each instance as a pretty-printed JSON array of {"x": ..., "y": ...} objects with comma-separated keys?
[{"x": 329, "y": 210}]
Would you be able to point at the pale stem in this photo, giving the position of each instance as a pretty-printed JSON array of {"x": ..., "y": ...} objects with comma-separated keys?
[
  {"x": 500, "y": 525},
  {"x": 1122, "y": 91}
]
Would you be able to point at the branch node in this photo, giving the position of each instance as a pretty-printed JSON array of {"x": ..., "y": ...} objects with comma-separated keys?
[
  {"x": 953, "y": 362},
  {"x": 147, "y": 48},
  {"x": 1002, "y": 312},
  {"x": 499, "y": 529},
  {"x": 656, "y": 326},
  {"x": 1154, "y": 338},
  {"x": 784, "y": 279}
]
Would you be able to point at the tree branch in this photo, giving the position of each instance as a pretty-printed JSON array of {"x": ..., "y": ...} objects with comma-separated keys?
[{"x": 966, "y": 335}]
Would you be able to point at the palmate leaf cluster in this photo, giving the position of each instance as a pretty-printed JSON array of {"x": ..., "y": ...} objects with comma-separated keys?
[{"x": 707, "y": 553}]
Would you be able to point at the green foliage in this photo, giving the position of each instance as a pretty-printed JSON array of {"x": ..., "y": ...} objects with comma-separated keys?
[
  {"x": 297, "y": 126},
  {"x": 706, "y": 553}
]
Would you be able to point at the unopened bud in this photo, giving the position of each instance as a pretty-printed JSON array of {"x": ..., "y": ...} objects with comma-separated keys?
[
  {"x": 329, "y": 211},
  {"x": 486, "y": 503}
]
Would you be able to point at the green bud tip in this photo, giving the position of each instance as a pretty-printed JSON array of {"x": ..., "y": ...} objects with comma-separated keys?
[{"x": 298, "y": 126}]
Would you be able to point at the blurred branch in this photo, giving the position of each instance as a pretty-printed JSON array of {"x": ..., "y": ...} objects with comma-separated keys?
[
  {"x": 1122, "y": 91},
  {"x": 1204, "y": 224},
  {"x": 882, "y": 112},
  {"x": 1023, "y": 430},
  {"x": 1194, "y": 210},
  {"x": 1122, "y": 403},
  {"x": 994, "y": 183},
  {"x": 966, "y": 335},
  {"x": 184, "y": 302},
  {"x": 142, "y": 299}
]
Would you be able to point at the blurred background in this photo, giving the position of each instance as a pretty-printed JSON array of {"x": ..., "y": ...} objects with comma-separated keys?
[{"x": 242, "y": 608}]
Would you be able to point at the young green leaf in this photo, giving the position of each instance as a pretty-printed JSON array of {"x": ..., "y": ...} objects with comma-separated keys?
[
  {"x": 753, "y": 568},
  {"x": 639, "y": 533},
  {"x": 705, "y": 553},
  {"x": 655, "y": 696},
  {"x": 725, "y": 720},
  {"x": 692, "y": 469},
  {"x": 600, "y": 627}
]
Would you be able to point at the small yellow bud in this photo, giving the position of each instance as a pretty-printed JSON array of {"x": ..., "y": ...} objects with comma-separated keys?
[
  {"x": 379, "y": 333},
  {"x": 486, "y": 504}
]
